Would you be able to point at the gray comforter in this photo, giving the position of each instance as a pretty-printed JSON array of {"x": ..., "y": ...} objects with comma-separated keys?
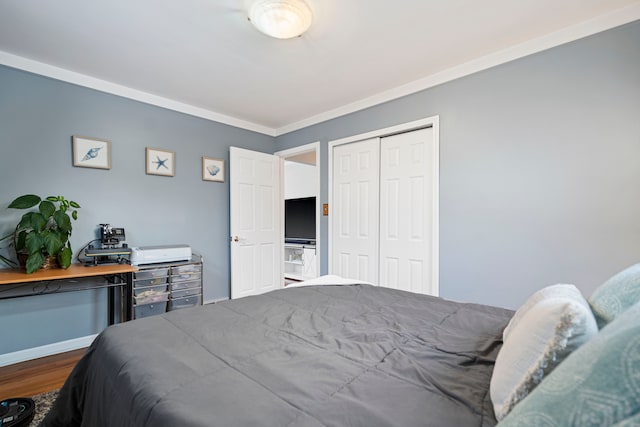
[{"x": 312, "y": 356}]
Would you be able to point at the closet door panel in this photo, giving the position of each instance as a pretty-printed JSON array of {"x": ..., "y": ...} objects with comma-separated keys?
[
  {"x": 406, "y": 162},
  {"x": 356, "y": 190}
]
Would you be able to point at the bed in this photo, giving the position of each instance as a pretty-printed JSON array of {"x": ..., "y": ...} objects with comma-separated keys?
[{"x": 350, "y": 355}]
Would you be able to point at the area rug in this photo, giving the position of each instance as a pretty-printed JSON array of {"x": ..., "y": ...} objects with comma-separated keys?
[{"x": 43, "y": 402}]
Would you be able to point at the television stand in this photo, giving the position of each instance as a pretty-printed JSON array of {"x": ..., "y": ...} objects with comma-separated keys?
[{"x": 300, "y": 261}]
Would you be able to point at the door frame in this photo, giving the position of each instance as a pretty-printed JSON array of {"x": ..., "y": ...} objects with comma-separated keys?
[
  {"x": 283, "y": 154},
  {"x": 433, "y": 122}
]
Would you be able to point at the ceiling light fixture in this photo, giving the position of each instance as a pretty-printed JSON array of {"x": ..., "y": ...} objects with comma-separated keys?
[{"x": 282, "y": 19}]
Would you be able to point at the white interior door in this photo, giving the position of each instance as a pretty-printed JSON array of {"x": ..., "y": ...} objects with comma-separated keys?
[
  {"x": 354, "y": 233},
  {"x": 255, "y": 222},
  {"x": 406, "y": 211}
]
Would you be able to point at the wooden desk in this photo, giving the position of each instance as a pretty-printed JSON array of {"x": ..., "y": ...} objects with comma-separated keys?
[{"x": 109, "y": 272}]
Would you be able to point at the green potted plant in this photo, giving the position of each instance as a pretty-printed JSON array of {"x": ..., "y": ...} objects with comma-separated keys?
[{"x": 43, "y": 235}]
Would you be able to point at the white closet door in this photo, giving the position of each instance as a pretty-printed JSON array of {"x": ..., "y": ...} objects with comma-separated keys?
[
  {"x": 406, "y": 211},
  {"x": 354, "y": 233},
  {"x": 384, "y": 210}
]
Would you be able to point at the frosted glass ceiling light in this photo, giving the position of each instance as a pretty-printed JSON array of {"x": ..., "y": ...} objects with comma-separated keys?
[{"x": 282, "y": 19}]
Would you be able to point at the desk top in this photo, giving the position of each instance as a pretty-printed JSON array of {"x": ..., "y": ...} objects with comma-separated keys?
[{"x": 12, "y": 276}]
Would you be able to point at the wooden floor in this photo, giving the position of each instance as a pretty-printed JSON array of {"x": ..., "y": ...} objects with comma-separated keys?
[{"x": 37, "y": 376}]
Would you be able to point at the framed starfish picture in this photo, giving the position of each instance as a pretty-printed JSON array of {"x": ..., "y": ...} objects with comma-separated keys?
[
  {"x": 160, "y": 162},
  {"x": 91, "y": 152},
  {"x": 212, "y": 169}
]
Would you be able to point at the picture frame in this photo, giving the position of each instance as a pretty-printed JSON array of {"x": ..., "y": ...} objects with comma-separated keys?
[
  {"x": 91, "y": 152},
  {"x": 160, "y": 162},
  {"x": 212, "y": 169}
]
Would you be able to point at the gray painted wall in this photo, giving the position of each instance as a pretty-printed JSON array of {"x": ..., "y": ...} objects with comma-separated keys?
[
  {"x": 38, "y": 116},
  {"x": 539, "y": 168}
]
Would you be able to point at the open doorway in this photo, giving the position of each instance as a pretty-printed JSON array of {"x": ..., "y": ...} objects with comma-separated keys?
[{"x": 301, "y": 212}]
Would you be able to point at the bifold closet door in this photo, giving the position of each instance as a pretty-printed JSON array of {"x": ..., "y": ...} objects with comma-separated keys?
[
  {"x": 406, "y": 211},
  {"x": 355, "y": 225}
]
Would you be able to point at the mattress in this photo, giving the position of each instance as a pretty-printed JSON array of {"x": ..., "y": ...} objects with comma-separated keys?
[{"x": 351, "y": 355}]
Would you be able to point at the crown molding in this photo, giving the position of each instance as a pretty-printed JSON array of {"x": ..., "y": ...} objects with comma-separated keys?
[
  {"x": 79, "y": 79},
  {"x": 539, "y": 44},
  {"x": 565, "y": 35}
]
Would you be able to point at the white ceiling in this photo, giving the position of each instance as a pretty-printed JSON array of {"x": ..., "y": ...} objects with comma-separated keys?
[{"x": 204, "y": 57}]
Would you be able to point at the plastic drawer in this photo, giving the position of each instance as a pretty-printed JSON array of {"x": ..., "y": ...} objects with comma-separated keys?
[
  {"x": 177, "y": 286},
  {"x": 176, "y": 304},
  {"x": 185, "y": 293},
  {"x": 151, "y": 273},
  {"x": 149, "y": 282},
  {"x": 185, "y": 276},
  {"x": 137, "y": 290},
  {"x": 150, "y": 297},
  {"x": 147, "y": 310},
  {"x": 188, "y": 268}
]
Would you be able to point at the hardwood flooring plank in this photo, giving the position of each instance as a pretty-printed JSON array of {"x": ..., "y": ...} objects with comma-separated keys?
[{"x": 37, "y": 376}]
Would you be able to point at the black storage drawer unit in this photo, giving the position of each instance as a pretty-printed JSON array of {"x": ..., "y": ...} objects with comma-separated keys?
[{"x": 158, "y": 288}]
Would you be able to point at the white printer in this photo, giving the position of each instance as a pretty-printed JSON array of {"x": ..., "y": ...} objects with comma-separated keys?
[{"x": 163, "y": 253}]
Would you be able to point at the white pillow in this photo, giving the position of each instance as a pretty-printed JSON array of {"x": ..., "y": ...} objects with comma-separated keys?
[
  {"x": 560, "y": 290},
  {"x": 551, "y": 324}
]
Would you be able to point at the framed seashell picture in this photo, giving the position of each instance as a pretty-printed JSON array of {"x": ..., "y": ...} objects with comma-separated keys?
[
  {"x": 160, "y": 162},
  {"x": 212, "y": 169},
  {"x": 91, "y": 152}
]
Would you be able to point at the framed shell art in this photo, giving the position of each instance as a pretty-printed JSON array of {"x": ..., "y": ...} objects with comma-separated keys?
[
  {"x": 212, "y": 169},
  {"x": 91, "y": 152},
  {"x": 160, "y": 162}
]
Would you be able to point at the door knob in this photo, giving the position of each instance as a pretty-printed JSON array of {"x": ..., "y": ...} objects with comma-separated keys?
[{"x": 236, "y": 239}]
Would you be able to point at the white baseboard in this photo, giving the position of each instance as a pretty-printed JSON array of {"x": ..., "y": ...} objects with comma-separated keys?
[
  {"x": 46, "y": 350},
  {"x": 58, "y": 347},
  {"x": 215, "y": 300}
]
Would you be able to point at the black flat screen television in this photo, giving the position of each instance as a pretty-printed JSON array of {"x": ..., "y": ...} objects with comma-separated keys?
[{"x": 300, "y": 220}]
